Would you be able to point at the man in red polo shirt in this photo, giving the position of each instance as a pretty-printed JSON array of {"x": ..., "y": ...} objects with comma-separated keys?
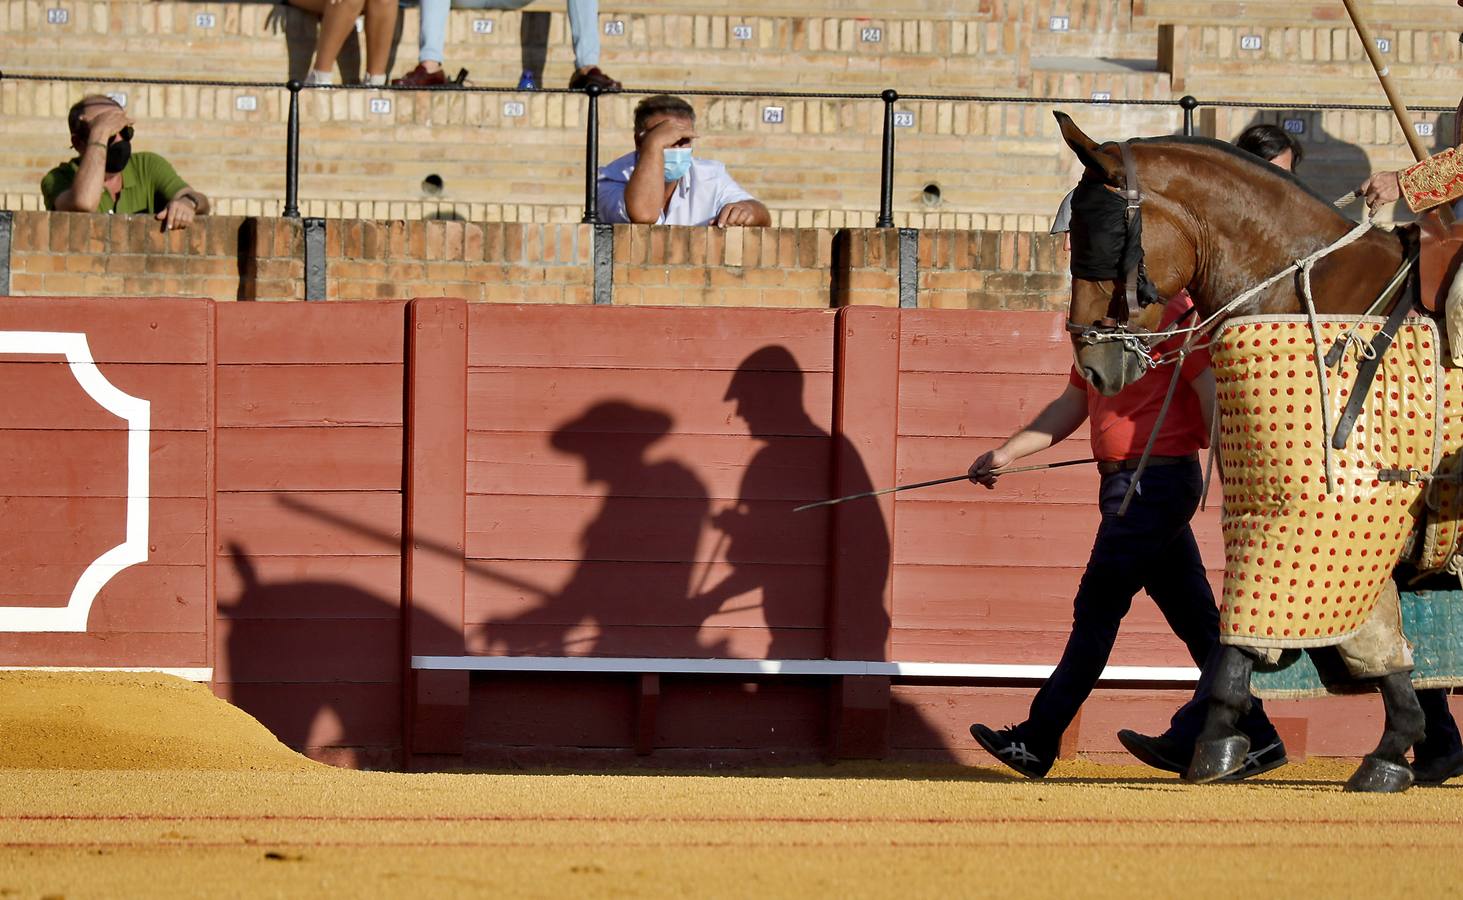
[{"x": 1150, "y": 547}]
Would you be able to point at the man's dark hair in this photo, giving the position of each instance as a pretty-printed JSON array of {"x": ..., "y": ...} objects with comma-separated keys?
[
  {"x": 1269, "y": 141},
  {"x": 73, "y": 118},
  {"x": 662, "y": 104}
]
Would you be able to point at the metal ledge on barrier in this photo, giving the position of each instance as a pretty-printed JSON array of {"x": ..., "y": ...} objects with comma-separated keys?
[{"x": 670, "y": 666}]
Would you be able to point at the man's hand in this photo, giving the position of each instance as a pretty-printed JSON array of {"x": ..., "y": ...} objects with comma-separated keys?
[
  {"x": 667, "y": 133},
  {"x": 107, "y": 121},
  {"x": 1383, "y": 187},
  {"x": 179, "y": 213},
  {"x": 983, "y": 470},
  {"x": 743, "y": 212}
]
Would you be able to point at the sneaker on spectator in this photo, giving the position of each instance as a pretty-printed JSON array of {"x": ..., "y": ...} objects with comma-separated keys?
[
  {"x": 1007, "y": 746},
  {"x": 527, "y": 81},
  {"x": 420, "y": 77},
  {"x": 592, "y": 76}
]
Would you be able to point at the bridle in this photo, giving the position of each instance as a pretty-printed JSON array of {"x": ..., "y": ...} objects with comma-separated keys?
[{"x": 1114, "y": 326}]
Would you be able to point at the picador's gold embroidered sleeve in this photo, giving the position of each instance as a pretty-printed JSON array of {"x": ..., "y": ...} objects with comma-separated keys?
[{"x": 1435, "y": 180}]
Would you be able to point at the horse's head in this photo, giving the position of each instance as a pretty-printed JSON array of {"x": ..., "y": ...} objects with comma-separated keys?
[{"x": 1116, "y": 217}]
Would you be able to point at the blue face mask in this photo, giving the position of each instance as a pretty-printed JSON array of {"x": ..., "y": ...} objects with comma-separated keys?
[{"x": 677, "y": 163}]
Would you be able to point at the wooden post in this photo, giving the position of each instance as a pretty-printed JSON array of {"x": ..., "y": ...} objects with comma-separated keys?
[
  {"x": 434, "y": 514},
  {"x": 865, "y": 421}
]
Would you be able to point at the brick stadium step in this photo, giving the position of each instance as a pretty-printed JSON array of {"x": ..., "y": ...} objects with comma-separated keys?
[
  {"x": 1379, "y": 14},
  {"x": 803, "y": 157},
  {"x": 1320, "y": 64},
  {"x": 987, "y": 159},
  {"x": 261, "y": 42}
]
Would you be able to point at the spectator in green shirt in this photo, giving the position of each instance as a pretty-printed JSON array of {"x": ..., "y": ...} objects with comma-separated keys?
[{"x": 108, "y": 177}]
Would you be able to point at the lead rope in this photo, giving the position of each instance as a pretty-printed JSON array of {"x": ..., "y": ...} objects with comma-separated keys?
[
  {"x": 1153, "y": 434},
  {"x": 1154, "y": 338},
  {"x": 1320, "y": 376},
  {"x": 1303, "y": 266}
]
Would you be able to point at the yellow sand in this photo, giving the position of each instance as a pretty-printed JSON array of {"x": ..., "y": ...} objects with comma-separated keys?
[
  {"x": 125, "y": 720},
  {"x": 848, "y": 830}
]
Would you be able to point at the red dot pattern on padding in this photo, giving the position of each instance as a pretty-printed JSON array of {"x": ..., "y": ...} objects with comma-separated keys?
[
  {"x": 1445, "y": 500},
  {"x": 1304, "y": 566}
]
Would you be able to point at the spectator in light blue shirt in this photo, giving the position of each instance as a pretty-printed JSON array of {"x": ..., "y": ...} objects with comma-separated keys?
[{"x": 663, "y": 183}]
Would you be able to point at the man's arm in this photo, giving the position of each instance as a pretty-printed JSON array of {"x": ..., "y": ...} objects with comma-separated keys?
[
  {"x": 85, "y": 192},
  {"x": 1204, "y": 386},
  {"x": 1432, "y": 182},
  {"x": 183, "y": 202},
  {"x": 645, "y": 194},
  {"x": 744, "y": 212},
  {"x": 1052, "y": 425},
  {"x": 201, "y": 206}
]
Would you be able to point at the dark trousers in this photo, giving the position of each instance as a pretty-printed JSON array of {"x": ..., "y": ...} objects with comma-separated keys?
[
  {"x": 1441, "y": 737},
  {"x": 1152, "y": 548}
]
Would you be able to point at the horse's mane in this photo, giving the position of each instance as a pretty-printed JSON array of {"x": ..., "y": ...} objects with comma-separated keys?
[{"x": 1243, "y": 156}]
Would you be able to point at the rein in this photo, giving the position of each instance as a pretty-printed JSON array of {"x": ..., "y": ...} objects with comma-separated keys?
[{"x": 1142, "y": 343}]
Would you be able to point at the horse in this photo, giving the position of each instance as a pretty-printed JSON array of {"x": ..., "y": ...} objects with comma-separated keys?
[{"x": 1156, "y": 215}]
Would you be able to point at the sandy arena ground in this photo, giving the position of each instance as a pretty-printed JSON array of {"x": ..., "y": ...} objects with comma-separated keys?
[{"x": 156, "y": 789}]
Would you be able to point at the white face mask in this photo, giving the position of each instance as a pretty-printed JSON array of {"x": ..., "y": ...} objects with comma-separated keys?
[{"x": 677, "y": 163}]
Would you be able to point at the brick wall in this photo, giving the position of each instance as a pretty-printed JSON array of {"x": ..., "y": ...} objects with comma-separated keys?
[{"x": 256, "y": 258}]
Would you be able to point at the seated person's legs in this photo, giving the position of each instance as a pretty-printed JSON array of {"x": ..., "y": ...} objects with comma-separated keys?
[
  {"x": 433, "y": 40},
  {"x": 336, "y": 22},
  {"x": 584, "y": 28}
]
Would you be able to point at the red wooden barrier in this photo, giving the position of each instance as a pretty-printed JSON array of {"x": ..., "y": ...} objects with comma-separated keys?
[
  {"x": 364, "y": 483},
  {"x": 107, "y": 520}
]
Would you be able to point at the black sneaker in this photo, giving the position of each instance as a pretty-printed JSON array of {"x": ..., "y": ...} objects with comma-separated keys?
[
  {"x": 1271, "y": 756},
  {"x": 1159, "y": 752},
  {"x": 1437, "y": 769},
  {"x": 1011, "y": 750}
]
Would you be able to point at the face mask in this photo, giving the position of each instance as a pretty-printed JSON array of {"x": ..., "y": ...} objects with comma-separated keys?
[
  {"x": 118, "y": 153},
  {"x": 677, "y": 163}
]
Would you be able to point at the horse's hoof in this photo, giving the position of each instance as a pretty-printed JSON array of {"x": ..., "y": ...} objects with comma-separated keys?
[
  {"x": 1215, "y": 759},
  {"x": 1378, "y": 776}
]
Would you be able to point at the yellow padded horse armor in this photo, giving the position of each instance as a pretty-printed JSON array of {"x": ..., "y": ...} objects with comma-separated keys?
[{"x": 1306, "y": 561}]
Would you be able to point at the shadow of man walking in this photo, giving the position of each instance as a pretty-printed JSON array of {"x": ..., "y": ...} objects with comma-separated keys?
[{"x": 767, "y": 389}]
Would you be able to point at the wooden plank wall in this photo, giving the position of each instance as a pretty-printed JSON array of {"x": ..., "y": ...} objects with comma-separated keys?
[
  {"x": 310, "y": 433},
  {"x": 631, "y": 476},
  {"x": 989, "y": 576},
  {"x": 63, "y": 480}
]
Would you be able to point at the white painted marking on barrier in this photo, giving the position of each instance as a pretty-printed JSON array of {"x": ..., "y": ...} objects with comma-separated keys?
[
  {"x": 658, "y": 665},
  {"x": 138, "y": 415},
  {"x": 203, "y": 673}
]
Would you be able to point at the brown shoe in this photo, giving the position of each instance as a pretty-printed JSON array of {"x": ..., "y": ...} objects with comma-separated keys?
[
  {"x": 420, "y": 77},
  {"x": 582, "y": 79}
]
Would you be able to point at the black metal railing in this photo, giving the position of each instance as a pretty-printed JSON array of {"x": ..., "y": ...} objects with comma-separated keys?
[{"x": 1187, "y": 104}]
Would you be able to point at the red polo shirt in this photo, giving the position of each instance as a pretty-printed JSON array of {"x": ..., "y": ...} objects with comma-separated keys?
[{"x": 1121, "y": 424}]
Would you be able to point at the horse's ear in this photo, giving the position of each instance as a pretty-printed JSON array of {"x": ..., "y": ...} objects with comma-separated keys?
[{"x": 1104, "y": 166}]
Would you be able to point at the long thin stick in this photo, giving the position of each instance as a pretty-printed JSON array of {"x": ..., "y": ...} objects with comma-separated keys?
[
  {"x": 910, "y": 487},
  {"x": 1399, "y": 108}
]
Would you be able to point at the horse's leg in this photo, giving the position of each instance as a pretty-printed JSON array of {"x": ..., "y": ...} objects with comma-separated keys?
[
  {"x": 1385, "y": 770},
  {"x": 1221, "y": 747}
]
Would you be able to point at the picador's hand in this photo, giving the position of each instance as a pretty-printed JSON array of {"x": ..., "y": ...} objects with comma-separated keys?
[
  {"x": 983, "y": 470},
  {"x": 1383, "y": 187}
]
